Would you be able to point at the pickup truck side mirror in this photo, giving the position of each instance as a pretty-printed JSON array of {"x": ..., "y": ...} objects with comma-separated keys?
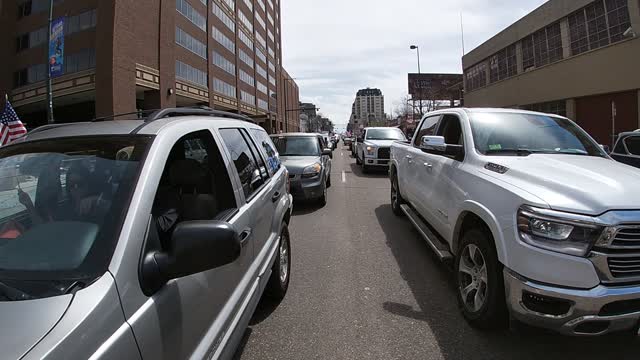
[
  {"x": 195, "y": 246},
  {"x": 605, "y": 148},
  {"x": 436, "y": 145},
  {"x": 328, "y": 152}
]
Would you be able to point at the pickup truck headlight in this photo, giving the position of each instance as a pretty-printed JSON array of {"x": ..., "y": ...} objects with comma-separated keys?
[
  {"x": 371, "y": 150},
  {"x": 557, "y": 231},
  {"x": 312, "y": 171}
]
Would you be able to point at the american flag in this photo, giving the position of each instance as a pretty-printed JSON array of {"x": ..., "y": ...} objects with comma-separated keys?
[{"x": 11, "y": 127}]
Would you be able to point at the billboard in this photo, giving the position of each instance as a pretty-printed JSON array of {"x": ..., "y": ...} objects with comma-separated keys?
[
  {"x": 56, "y": 48},
  {"x": 435, "y": 86}
]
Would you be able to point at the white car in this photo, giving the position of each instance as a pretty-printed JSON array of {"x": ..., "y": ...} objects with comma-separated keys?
[{"x": 543, "y": 226}]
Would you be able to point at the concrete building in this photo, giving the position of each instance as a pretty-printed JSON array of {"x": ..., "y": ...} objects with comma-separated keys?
[
  {"x": 368, "y": 107},
  {"x": 125, "y": 55},
  {"x": 578, "y": 58}
]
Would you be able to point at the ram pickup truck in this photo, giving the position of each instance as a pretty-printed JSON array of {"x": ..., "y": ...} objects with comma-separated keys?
[{"x": 542, "y": 226}]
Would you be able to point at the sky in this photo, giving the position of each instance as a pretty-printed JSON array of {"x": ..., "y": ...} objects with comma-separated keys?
[{"x": 335, "y": 47}]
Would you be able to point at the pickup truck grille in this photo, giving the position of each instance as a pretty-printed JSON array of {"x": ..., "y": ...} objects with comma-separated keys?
[
  {"x": 621, "y": 267},
  {"x": 384, "y": 153},
  {"x": 627, "y": 237}
]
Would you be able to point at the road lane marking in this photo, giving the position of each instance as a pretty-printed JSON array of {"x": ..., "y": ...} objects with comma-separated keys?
[
  {"x": 341, "y": 154},
  {"x": 344, "y": 177}
]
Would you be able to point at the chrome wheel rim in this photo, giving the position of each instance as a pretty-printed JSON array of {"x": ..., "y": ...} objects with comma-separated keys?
[
  {"x": 472, "y": 275},
  {"x": 284, "y": 259}
]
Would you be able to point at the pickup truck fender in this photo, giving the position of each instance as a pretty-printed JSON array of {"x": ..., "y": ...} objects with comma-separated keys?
[{"x": 470, "y": 207}]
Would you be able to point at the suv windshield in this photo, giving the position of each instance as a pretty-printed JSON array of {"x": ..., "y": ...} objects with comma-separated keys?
[
  {"x": 62, "y": 203},
  {"x": 525, "y": 134},
  {"x": 297, "y": 145},
  {"x": 385, "y": 134}
]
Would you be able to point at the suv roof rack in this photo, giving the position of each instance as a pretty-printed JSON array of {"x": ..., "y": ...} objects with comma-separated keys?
[{"x": 186, "y": 111}]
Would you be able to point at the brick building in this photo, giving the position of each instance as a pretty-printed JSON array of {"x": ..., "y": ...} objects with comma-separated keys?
[
  {"x": 578, "y": 58},
  {"x": 125, "y": 55}
]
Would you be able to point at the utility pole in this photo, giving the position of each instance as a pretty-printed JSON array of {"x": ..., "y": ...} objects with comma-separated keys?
[{"x": 50, "y": 118}]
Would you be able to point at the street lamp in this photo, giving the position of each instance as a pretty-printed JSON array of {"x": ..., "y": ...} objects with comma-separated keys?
[{"x": 415, "y": 47}]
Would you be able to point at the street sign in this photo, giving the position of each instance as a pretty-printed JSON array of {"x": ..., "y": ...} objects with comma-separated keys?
[{"x": 56, "y": 48}]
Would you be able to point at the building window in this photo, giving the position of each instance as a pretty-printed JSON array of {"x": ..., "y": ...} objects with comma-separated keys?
[
  {"x": 192, "y": 14},
  {"x": 552, "y": 107},
  {"x": 476, "y": 76},
  {"x": 260, "y": 21},
  {"x": 223, "y": 40},
  {"x": 189, "y": 73},
  {"x": 272, "y": 81},
  {"x": 598, "y": 24},
  {"x": 83, "y": 60},
  {"x": 224, "y": 88},
  {"x": 272, "y": 67},
  {"x": 270, "y": 18},
  {"x": 247, "y": 98},
  {"x": 220, "y": 14},
  {"x": 262, "y": 87},
  {"x": 271, "y": 52},
  {"x": 248, "y": 79},
  {"x": 260, "y": 55},
  {"x": 270, "y": 35},
  {"x": 249, "y": 4},
  {"x": 263, "y": 104},
  {"x": 224, "y": 64},
  {"x": 31, "y": 39},
  {"x": 246, "y": 58},
  {"x": 261, "y": 40},
  {"x": 618, "y": 16},
  {"x": 83, "y": 21},
  {"x": 542, "y": 48},
  {"x": 261, "y": 4},
  {"x": 554, "y": 41},
  {"x": 245, "y": 20},
  {"x": 245, "y": 39},
  {"x": 190, "y": 43},
  {"x": 231, "y": 4},
  {"x": 28, "y": 7},
  {"x": 261, "y": 71}
]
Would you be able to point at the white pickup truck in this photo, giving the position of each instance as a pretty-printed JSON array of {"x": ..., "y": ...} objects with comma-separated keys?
[{"x": 542, "y": 226}]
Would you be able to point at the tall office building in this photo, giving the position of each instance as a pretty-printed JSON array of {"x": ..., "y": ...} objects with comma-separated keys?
[
  {"x": 368, "y": 108},
  {"x": 125, "y": 55}
]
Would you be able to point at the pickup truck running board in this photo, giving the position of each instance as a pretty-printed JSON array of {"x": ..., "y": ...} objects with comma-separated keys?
[{"x": 441, "y": 249}]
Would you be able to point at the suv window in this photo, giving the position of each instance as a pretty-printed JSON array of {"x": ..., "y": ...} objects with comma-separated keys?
[
  {"x": 257, "y": 155},
  {"x": 273, "y": 161},
  {"x": 244, "y": 161},
  {"x": 633, "y": 145},
  {"x": 195, "y": 185},
  {"x": 427, "y": 128}
]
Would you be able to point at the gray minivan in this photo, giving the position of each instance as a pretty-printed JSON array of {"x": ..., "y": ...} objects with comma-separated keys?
[{"x": 119, "y": 241}]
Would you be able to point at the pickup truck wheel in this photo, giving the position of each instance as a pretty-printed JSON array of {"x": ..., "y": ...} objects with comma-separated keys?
[
  {"x": 480, "y": 285},
  {"x": 281, "y": 270},
  {"x": 396, "y": 198}
]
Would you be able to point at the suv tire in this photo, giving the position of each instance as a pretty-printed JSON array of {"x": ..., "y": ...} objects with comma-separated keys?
[
  {"x": 396, "y": 198},
  {"x": 281, "y": 270},
  {"x": 479, "y": 275},
  {"x": 329, "y": 181},
  {"x": 323, "y": 199}
]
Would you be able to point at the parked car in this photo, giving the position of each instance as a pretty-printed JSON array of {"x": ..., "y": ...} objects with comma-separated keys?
[
  {"x": 139, "y": 239},
  {"x": 540, "y": 223},
  {"x": 627, "y": 148},
  {"x": 308, "y": 163},
  {"x": 374, "y": 146}
]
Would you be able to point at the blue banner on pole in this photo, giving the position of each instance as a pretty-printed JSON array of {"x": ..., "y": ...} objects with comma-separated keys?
[{"x": 56, "y": 48}]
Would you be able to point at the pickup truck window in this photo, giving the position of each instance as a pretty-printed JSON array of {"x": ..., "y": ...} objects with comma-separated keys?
[
  {"x": 451, "y": 129},
  {"x": 633, "y": 144},
  {"x": 427, "y": 128},
  {"x": 524, "y": 134},
  {"x": 385, "y": 134}
]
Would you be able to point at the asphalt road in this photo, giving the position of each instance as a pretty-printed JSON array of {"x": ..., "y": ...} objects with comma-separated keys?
[{"x": 364, "y": 285}]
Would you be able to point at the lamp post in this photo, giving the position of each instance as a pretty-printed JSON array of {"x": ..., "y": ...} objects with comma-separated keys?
[
  {"x": 417, "y": 49},
  {"x": 50, "y": 118}
]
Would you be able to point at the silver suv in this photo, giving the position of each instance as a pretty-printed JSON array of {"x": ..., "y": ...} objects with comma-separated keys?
[{"x": 138, "y": 239}]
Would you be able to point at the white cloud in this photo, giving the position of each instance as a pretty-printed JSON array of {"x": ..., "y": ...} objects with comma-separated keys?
[{"x": 335, "y": 47}]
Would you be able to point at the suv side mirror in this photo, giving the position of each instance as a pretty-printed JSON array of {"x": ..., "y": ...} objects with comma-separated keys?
[
  {"x": 328, "y": 152},
  {"x": 436, "y": 145},
  {"x": 196, "y": 246}
]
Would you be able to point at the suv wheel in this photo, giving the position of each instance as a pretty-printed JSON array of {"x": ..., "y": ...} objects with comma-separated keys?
[
  {"x": 281, "y": 271},
  {"x": 396, "y": 198},
  {"x": 479, "y": 280}
]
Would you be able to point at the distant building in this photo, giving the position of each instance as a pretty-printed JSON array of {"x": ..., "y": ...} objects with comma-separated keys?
[
  {"x": 368, "y": 107},
  {"x": 578, "y": 58}
]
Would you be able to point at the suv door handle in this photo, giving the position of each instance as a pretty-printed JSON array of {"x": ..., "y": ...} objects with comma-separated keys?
[
  {"x": 245, "y": 236},
  {"x": 275, "y": 196}
]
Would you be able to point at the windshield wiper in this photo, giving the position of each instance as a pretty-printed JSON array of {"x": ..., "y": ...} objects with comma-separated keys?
[
  {"x": 518, "y": 152},
  {"x": 12, "y": 293}
]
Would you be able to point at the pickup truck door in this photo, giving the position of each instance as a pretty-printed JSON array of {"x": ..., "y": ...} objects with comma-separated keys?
[
  {"x": 446, "y": 172},
  {"x": 419, "y": 182}
]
